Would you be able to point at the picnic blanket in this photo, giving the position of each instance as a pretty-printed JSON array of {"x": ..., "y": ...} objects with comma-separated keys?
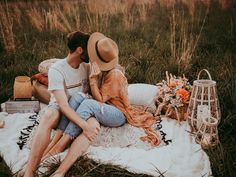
[{"x": 182, "y": 157}]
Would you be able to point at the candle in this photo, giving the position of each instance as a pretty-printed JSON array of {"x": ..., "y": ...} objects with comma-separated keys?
[
  {"x": 202, "y": 113},
  {"x": 206, "y": 140}
]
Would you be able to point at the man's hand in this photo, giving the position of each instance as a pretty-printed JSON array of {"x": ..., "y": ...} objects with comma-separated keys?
[{"x": 91, "y": 130}]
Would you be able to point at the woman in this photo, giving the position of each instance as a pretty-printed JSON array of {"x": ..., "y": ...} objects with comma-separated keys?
[{"x": 112, "y": 103}]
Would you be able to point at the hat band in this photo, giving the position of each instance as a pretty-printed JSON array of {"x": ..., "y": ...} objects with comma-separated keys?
[{"x": 98, "y": 54}]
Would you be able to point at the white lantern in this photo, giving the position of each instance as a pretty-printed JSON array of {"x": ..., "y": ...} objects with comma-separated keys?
[{"x": 204, "y": 111}]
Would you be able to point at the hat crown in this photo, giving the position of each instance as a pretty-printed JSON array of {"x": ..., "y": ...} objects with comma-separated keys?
[
  {"x": 107, "y": 49},
  {"x": 103, "y": 50}
]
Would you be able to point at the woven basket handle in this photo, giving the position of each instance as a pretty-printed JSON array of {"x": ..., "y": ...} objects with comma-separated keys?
[{"x": 198, "y": 77}]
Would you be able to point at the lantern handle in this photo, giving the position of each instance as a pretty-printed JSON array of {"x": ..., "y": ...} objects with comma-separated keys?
[{"x": 198, "y": 77}]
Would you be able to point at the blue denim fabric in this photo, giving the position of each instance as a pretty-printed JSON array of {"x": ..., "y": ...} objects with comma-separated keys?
[
  {"x": 74, "y": 102},
  {"x": 53, "y": 105},
  {"x": 105, "y": 114}
]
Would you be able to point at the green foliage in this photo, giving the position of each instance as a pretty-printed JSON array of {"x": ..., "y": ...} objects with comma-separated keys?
[{"x": 4, "y": 169}]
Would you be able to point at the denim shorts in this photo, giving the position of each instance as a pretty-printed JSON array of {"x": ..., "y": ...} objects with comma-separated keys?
[
  {"x": 53, "y": 105},
  {"x": 106, "y": 114}
]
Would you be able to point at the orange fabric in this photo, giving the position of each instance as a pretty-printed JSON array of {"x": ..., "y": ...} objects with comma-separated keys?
[
  {"x": 114, "y": 88},
  {"x": 41, "y": 78}
]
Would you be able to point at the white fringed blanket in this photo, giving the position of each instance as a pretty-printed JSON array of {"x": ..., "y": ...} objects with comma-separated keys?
[{"x": 180, "y": 158}]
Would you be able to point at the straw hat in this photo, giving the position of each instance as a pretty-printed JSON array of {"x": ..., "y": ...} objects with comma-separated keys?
[{"x": 103, "y": 50}]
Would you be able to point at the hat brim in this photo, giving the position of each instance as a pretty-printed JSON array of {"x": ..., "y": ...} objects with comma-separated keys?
[{"x": 104, "y": 66}]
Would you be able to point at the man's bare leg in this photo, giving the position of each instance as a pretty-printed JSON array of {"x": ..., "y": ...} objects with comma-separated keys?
[
  {"x": 41, "y": 140},
  {"x": 78, "y": 147},
  {"x": 54, "y": 141},
  {"x": 59, "y": 146}
]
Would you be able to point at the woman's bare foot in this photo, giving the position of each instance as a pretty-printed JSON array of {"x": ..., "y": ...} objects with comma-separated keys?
[
  {"x": 44, "y": 157},
  {"x": 59, "y": 147}
]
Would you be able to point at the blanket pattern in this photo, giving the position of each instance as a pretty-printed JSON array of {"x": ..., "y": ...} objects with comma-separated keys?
[
  {"x": 183, "y": 157},
  {"x": 27, "y": 133},
  {"x": 163, "y": 134}
]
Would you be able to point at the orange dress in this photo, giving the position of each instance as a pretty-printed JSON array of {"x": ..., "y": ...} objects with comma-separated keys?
[{"x": 114, "y": 88}]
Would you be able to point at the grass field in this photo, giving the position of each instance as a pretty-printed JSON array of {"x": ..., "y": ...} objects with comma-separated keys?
[{"x": 153, "y": 37}]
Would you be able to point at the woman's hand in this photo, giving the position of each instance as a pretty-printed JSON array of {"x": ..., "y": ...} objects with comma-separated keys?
[{"x": 95, "y": 70}]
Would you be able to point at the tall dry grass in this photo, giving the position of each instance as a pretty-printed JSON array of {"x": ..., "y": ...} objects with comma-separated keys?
[
  {"x": 6, "y": 24},
  {"x": 65, "y": 16},
  {"x": 36, "y": 18},
  {"x": 182, "y": 40}
]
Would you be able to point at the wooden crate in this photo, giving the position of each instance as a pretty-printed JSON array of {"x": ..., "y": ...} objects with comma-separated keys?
[{"x": 22, "y": 106}]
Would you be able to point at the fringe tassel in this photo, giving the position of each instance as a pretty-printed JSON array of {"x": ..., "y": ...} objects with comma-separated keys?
[
  {"x": 25, "y": 132},
  {"x": 163, "y": 134}
]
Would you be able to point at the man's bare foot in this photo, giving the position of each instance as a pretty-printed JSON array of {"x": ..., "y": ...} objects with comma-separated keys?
[
  {"x": 24, "y": 173},
  {"x": 20, "y": 173}
]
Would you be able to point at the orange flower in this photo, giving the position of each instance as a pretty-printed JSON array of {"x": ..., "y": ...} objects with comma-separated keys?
[
  {"x": 174, "y": 82},
  {"x": 184, "y": 95}
]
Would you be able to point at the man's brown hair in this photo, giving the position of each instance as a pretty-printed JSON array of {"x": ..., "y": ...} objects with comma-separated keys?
[{"x": 77, "y": 39}]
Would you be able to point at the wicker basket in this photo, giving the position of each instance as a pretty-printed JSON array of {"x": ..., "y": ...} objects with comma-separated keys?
[
  {"x": 179, "y": 113},
  {"x": 22, "y": 88},
  {"x": 204, "y": 111},
  {"x": 41, "y": 92}
]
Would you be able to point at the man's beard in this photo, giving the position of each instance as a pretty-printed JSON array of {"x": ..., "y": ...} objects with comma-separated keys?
[{"x": 84, "y": 57}]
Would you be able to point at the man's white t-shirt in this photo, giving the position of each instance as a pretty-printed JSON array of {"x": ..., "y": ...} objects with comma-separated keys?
[{"x": 62, "y": 76}]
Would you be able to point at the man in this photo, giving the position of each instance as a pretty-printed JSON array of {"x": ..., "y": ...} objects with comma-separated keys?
[{"x": 65, "y": 77}]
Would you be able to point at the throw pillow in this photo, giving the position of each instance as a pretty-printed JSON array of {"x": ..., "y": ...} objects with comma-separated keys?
[
  {"x": 41, "y": 78},
  {"x": 143, "y": 95},
  {"x": 46, "y": 64}
]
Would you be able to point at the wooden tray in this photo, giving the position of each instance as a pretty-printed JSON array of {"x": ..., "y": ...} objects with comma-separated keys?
[{"x": 22, "y": 106}]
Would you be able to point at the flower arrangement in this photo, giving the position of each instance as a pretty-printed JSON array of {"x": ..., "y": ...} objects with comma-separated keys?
[{"x": 173, "y": 97}]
